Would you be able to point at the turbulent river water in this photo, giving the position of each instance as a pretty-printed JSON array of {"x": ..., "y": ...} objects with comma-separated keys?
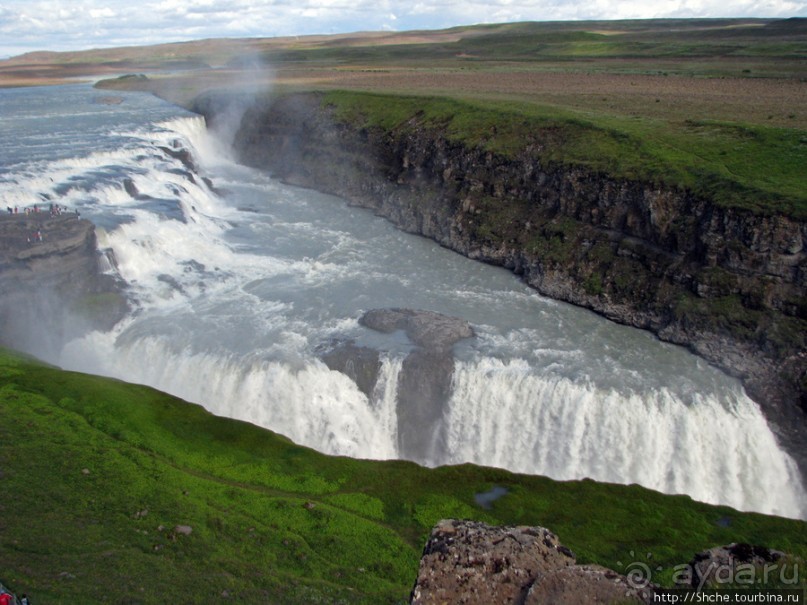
[{"x": 236, "y": 288}]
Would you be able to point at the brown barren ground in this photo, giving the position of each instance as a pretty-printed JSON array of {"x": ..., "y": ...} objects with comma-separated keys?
[
  {"x": 15, "y": 76},
  {"x": 772, "y": 101},
  {"x": 751, "y": 71},
  {"x": 781, "y": 102}
]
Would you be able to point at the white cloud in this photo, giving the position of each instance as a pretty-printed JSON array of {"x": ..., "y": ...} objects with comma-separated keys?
[
  {"x": 75, "y": 24},
  {"x": 102, "y": 13}
]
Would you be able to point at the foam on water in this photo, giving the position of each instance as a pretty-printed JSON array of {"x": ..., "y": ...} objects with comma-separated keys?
[
  {"x": 718, "y": 449},
  {"x": 304, "y": 400}
]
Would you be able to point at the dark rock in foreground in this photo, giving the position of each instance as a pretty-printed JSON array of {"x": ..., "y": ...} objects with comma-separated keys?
[
  {"x": 734, "y": 562},
  {"x": 474, "y": 563}
]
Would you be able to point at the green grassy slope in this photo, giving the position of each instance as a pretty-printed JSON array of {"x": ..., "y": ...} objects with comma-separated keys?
[
  {"x": 96, "y": 475},
  {"x": 659, "y": 39}
]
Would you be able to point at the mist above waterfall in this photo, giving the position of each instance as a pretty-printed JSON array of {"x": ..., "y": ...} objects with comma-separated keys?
[{"x": 249, "y": 80}]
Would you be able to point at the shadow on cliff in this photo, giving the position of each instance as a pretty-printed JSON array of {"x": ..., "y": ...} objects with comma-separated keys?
[
  {"x": 41, "y": 320},
  {"x": 54, "y": 290}
]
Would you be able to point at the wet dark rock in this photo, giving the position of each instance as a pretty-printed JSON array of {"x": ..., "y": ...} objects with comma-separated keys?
[
  {"x": 171, "y": 282},
  {"x": 183, "y": 155},
  {"x": 360, "y": 364},
  {"x": 216, "y": 190},
  {"x": 424, "y": 328},
  {"x": 130, "y": 188},
  {"x": 424, "y": 383}
]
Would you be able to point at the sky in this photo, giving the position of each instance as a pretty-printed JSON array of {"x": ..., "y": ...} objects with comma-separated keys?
[{"x": 27, "y": 25}]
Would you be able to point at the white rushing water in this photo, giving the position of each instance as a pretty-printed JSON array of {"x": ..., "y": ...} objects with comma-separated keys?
[{"x": 235, "y": 291}]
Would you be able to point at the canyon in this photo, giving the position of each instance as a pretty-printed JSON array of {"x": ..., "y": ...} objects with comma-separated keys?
[{"x": 726, "y": 282}]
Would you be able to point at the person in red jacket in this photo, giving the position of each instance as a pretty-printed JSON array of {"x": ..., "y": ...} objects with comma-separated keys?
[{"x": 6, "y": 599}]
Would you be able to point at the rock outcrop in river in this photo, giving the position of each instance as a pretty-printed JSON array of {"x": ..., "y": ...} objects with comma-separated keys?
[
  {"x": 723, "y": 281},
  {"x": 424, "y": 382}
]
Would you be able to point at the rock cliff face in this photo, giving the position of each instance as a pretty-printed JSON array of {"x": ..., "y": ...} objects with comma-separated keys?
[
  {"x": 52, "y": 287},
  {"x": 726, "y": 283},
  {"x": 424, "y": 383}
]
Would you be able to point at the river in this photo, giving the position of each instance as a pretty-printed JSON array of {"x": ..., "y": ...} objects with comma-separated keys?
[{"x": 236, "y": 289}]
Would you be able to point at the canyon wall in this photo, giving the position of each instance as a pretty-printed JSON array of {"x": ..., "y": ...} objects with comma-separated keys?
[{"x": 725, "y": 282}]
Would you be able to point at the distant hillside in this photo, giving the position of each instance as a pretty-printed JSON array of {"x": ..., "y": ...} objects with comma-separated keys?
[{"x": 661, "y": 39}]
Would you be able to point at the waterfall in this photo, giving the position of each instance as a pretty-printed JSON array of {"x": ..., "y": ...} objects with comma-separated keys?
[
  {"x": 717, "y": 450},
  {"x": 235, "y": 286}
]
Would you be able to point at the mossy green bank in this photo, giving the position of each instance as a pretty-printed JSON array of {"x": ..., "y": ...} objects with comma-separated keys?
[{"x": 100, "y": 477}]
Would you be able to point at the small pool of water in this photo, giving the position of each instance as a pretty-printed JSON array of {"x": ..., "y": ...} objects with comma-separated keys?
[{"x": 486, "y": 499}]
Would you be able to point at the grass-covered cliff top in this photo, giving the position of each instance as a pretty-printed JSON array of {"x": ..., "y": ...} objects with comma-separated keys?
[
  {"x": 735, "y": 164},
  {"x": 101, "y": 481}
]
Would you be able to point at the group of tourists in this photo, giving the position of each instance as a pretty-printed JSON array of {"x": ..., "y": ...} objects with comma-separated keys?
[
  {"x": 36, "y": 236},
  {"x": 55, "y": 210}
]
